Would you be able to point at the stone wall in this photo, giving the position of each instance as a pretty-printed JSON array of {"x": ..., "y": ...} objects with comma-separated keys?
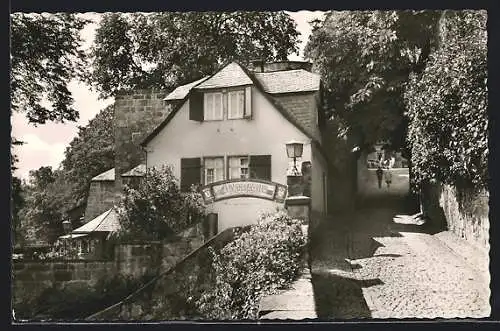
[
  {"x": 31, "y": 278},
  {"x": 136, "y": 115},
  {"x": 137, "y": 259},
  {"x": 172, "y": 294},
  {"x": 102, "y": 196},
  {"x": 304, "y": 108},
  {"x": 465, "y": 212}
]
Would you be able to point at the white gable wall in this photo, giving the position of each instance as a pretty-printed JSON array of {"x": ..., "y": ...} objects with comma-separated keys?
[{"x": 265, "y": 134}]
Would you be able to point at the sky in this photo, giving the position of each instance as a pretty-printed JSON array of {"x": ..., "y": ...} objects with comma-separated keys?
[{"x": 45, "y": 144}]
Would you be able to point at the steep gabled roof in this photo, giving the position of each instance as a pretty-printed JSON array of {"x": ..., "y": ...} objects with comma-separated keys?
[
  {"x": 230, "y": 75},
  {"x": 278, "y": 106},
  {"x": 289, "y": 81},
  {"x": 244, "y": 77},
  {"x": 105, "y": 176}
]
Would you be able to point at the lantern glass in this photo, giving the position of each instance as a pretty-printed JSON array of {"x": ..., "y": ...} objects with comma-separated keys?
[
  {"x": 294, "y": 149},
  {"x": 66, "y": 226}
]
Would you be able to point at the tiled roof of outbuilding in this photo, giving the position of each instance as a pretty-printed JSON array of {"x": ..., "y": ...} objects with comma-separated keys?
[
  {"x": 107, "y": 175},
  {"x": 288, "y": 81},
  {"x": 106, "y": 222},
  {"x": 138, "y": 171}
]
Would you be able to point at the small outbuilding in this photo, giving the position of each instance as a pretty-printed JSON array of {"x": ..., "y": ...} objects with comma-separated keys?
[{"x": 91, "y": 239}]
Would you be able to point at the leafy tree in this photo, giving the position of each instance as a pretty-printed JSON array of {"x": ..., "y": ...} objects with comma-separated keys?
[
  {"x": 41, "y": 217},
  {"x": 157, "y": 208},
  {"x": 447, "y": 105},
  {"x": 52, "y": 193},
  {"x": 13, "y": 157},
  {"x": 166, "y": 49},
  {"x": 364, "y": 58},
  {"x": 17, "y": 203},
  {"x": 45, "y": 56},
  {"x": 90, "y": 153}
]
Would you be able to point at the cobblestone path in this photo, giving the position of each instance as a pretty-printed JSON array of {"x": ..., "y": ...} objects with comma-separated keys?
[{"x": 367, "y": 265}]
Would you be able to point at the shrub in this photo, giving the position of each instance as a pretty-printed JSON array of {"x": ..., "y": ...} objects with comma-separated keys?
[
  {"x": 258, "y": 262},
  {"x": 447, "y": 106},
  {"x": 157, "y": 208}
]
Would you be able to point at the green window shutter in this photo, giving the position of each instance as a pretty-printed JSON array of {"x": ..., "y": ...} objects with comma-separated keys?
[
  {"x": 190, "y": 173},
  {"x": 248, "y": 102},
  {"x": 196, "y": 106},
  {"x": 260, "y": 167}
]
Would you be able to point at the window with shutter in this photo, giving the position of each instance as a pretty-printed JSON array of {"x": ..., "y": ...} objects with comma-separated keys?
[
  {"x": 260, "y": 167},
  {"x": 213, "y": 106},
  {"x": 213, "y": 169},
  {"x": 190, "y": 173},
  {"x": 248, "y": 102},
  {"x": 236, "y": 104},
  {"x": 238, "y": 167}
]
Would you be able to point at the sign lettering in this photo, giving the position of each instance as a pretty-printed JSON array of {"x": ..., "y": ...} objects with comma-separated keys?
[{"x": 244, "y": 188}]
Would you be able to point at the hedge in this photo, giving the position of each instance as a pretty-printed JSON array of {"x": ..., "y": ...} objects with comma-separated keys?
[{"x": 259, "y": 262}]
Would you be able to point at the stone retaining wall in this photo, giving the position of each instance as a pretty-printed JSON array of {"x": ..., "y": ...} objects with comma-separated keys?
[
  {"x": 31, "y": 278},
  {"x": 172, "y": 294},
  {"x": 465, "y": 212}
]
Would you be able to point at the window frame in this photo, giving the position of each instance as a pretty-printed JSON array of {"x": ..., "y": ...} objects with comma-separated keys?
[
  {"x": 205, "y": 108},
  {"x": 228, "y": 107},
  {"x": 229, "y": 168},
  {"x": 204, "y": 168},
  {"x": 226, "y": 104}
]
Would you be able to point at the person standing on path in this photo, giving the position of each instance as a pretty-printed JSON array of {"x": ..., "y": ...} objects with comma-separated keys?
[
  {"x": 388, "y": 172},
  {"x": 379, "y": 172}
]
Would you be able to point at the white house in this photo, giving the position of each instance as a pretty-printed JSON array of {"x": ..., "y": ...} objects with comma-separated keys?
[{"x": 234, "y": 125}]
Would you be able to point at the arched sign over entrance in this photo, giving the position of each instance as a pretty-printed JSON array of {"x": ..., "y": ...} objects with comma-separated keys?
[{"x": 237, "y": 188}]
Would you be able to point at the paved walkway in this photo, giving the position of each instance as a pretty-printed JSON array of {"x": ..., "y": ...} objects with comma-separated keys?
[{"x": 378, "y": 263}]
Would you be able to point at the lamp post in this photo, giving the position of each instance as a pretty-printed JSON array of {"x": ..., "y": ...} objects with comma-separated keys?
[
  {"x": 297, "y": 205},
  {"x": 294, "y": 150}
]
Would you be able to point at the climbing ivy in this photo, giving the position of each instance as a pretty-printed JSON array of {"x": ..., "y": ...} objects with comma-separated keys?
[{"x": 447, "y": 105}]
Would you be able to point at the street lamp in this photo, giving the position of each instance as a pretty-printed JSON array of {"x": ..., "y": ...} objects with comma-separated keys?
[{"x": 294, "y": 150}]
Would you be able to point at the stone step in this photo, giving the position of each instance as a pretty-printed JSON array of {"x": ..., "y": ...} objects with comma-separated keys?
[
  {"x": 295, "y": 303},
  {"x": 292, "y": 315},
  {"x": 290, "y": 300}
]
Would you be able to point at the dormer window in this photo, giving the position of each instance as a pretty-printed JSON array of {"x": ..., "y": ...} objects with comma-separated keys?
[
  {"x": 223, "y": 104},
  {"x": 213, "y": 106},
  {"x": 236, "y": 104}
]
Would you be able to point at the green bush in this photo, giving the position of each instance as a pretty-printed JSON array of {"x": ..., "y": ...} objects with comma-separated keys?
[
  {"x": 447, "y": 106},
  {"x": 257, "y": 262},
  {"x": 157, "y": 208}
]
